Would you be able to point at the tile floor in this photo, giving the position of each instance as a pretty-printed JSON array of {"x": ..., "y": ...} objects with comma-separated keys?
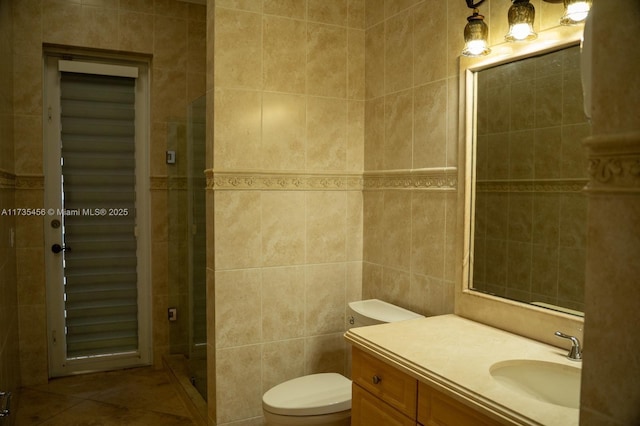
[{"x": 134, "y": 397}]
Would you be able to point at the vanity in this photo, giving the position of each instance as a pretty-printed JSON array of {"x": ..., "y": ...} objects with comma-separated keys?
[{"x": 448, "y": 370}]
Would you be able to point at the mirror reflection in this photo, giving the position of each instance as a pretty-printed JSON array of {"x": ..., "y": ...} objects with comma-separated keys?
[{"x": 529, "y": 228}]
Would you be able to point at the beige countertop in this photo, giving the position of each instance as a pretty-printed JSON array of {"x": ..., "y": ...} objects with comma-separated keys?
[{"x": 454, "y": 355}]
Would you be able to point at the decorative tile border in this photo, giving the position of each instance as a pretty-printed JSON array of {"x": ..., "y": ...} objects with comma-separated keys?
[
  {"x": 433, "y": 179},
  {"x": 614, "y": 163},
  {"x": 439, "y": 179},
  {"x": 278, "y": 181},
  {"x": 26, "y": 182},
  {"x": 7, "y": 180},
  {"x": 158, "y": 183},
  {"x": 537, "y": 185}
]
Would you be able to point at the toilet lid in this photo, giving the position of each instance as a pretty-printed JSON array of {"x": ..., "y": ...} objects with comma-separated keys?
[{"x": 311, "y": 395}]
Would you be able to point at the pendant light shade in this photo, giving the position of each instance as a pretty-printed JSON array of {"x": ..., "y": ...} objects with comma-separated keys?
[
  {"x": 476, "y": 34},
  {"x": 521, "y": 16},
  {"x": 575, "y": 11}
]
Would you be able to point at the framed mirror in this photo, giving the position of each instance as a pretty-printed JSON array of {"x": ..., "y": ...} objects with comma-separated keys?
[{"x": 523, "y": 168}]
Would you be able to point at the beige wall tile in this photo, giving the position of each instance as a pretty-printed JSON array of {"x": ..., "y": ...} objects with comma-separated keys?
[
  {"x": 62, "y": 23},
  {"x": 325, "y": 354},
  {"x": 27, "y": 85},
  {"x": 238, "y": 384},
  {"x": 238, "y": 47},
  {"x": 28, "y": 152},
  {"x": 136, "y": 31},
  {"x": 171, "y": 8},
  {"x": 27, "y": 16},
  {"x": 145, "y": 6},
  {"x": 430, "y": 125},
  {"x": 332, "y": 12},
  {"x": 100, "y": 27},
  {"x": 289, "y": 8},
  {"x": 248, "y": 5},
  {"x": 457, "y": 13},
  {"x": 391, "y": 8},
  {"x": 170, "y": 43},
  {"x": 238, "y": 116},
  {"x": 398, "y": 53},
  {"x": 284, "y": 49},
  {"x": 356, "y": 14},
  {"x": 398, "y": 134},
  {"x": 324, "y": 298},
  {"x": 326, "y": 134},
  {"x": 356, "y": 64},
  {"x": 326, "y": 226},
  {"x": 238, "y": 322},
  {"x": 452, "y": 121},
  {"x": 283, "y": 228},
  {"x": 374, "y": 133},
  {"x": 237, "y": 230},
  {"x": 33, "y": 344},
  {"x": 430, "y": 41},
  {"x": 284, "y": 119},
  {"x": 373, "y": 230},
  {"x": 283, "y": 307},
  {"x": 281, "y": 361},
  {"x": 374, "y": 12},
  {"x": 396, "y": 223},
  {"x": 355, "y": 136},
  {"x": 326, "y": 60},
  {"x": 354, "y": 229},
  {"x": 169, "y": 88},
  {"x": 395, "y": 285},
  {"x": 354, "y": 282},
  {"x": 428, "y": 230},
  {"x": 374, "y": 62},
  {"x": 30, "y": 283}
]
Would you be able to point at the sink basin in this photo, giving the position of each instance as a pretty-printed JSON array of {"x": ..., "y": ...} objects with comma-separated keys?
[{"x": 546, "y": 381}]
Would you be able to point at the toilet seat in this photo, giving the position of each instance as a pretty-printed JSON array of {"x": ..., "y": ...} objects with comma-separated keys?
[{"x": 311, "y": 395}]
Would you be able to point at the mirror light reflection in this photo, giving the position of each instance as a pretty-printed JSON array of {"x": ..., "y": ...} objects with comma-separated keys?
[{"x": 529, "y": 232}]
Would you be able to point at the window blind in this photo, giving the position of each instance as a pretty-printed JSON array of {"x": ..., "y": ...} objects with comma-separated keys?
[{"x": 98, "y": 185}]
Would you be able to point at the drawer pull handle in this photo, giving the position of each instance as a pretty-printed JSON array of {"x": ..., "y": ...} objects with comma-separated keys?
[{"x": 376, "y": 379}]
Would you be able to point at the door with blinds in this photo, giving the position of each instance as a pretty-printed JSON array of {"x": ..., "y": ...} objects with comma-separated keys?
[{"x": 96, "y": 215}]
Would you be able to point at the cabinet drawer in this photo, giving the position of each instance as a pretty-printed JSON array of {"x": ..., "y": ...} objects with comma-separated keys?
[
  {"x": 367, "y": 410},
  {"x": 438, "y": 409},
  {"x": 386, "y": 382}
]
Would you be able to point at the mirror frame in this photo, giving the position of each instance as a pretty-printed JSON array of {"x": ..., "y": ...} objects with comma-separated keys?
[{"x": 516, "y": 317}]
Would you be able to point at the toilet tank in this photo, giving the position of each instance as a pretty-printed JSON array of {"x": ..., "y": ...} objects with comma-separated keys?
[{"x": 375, "y": 311}]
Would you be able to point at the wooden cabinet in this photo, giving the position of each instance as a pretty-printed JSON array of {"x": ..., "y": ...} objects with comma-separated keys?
[
  {"x": 437, "y": 409},
  {"x": 382, "y": 395},
  {"x": 368, "y": 410},
  {"x": 385, "y": 396}
]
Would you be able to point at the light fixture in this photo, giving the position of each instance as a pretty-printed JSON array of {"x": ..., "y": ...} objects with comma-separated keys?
[
  {"x": 575, "y": 11},
  {"x": 476, "y": 33},
  {"x": 521, "y": 16}
]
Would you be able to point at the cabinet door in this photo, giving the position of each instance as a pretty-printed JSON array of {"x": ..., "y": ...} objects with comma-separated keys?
[
  {"x": 385, "y": 382},
  {"x": 438, "y": 409},
  {"x": 367, "y": 410}
]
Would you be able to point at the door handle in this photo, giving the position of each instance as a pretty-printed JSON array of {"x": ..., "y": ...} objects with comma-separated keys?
[{"x": 57, "y": 248}]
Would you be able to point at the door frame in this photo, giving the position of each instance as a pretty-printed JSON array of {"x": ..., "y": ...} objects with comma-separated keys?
[{"x": 59, "y": 365}]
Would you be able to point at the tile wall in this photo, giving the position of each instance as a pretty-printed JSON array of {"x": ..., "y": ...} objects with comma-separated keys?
[
  {"x": 410, "y": 152},
  {"x": 9, "y": 374},
  {"x": 297, "y": 230},
  {"x": 171, "y": 33},
  {"x": 285, "y": 184}
]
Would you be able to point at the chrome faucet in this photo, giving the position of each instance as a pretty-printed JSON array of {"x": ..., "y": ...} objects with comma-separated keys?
[{"x": 575, "y": 353}]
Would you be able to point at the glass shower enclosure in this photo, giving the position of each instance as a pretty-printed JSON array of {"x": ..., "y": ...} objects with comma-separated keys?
[{"x": 187, "y": 242}]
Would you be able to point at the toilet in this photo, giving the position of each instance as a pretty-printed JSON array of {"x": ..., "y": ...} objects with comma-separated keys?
[{"x": 324, "y": 399}]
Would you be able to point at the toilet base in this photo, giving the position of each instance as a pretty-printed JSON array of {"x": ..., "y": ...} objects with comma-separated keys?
[{"x": 342, "y": 418}]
